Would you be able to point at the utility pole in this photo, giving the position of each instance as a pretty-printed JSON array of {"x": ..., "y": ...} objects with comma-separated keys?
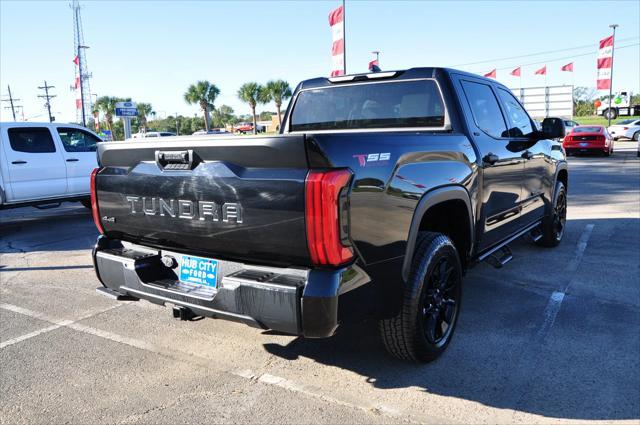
[
  {"x": 48, "y": 97},
  {"x": 177, "y": 127},
  {"x": 11, "y": 100},
  {"x": 613, "y": 49}
]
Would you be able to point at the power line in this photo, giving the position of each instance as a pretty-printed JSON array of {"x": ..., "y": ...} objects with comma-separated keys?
[
  {"x": 539, "y": 53},
  {"x": 562, "y": 58},
  {"x": 47, "y": 96}
]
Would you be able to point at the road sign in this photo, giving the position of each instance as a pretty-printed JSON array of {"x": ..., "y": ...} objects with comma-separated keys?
[{"x": 126, "y": 109}]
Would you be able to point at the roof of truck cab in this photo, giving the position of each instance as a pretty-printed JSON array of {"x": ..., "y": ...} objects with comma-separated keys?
[
  {"x": 404, "y": 74},
  {"x": 39, "y": 124}
]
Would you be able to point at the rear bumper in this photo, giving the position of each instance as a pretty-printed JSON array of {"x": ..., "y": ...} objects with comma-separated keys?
[
  {"x": 292, "y": 301},
  {"x": 573, "y": 149}
]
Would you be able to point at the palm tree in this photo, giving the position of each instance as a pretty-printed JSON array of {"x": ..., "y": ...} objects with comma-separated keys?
[
  {"x": 144, "y": 110},
  {"x": 202, "y": 93},
  {"x": 252, "y": 93},
  {"x": 277, "y": 91},
  {"x": 107, "y": 105}
]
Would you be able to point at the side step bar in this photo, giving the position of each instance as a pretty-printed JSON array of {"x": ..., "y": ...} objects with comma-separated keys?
[
  {"x": 500, "y": 257},
  {"x": 501, "y": 254}
]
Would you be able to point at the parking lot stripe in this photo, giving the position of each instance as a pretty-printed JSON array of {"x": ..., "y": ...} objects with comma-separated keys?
[
  {"x": 266, "y": 379},
  {"x": 555, "y": 301},
  {"x": 572, "y": 266},
  {"x": 31, "y": 334},
  {"x": 55, "y": 323},
  {"x": 278, "y": 381}
]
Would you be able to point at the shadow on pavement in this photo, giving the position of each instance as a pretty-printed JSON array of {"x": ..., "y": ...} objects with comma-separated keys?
[
  {"x": 60, "y": 229},
  {"x": 586, "y": 367}
]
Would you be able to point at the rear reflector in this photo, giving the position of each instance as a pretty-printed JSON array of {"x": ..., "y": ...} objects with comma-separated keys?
[
  {"x": 94, "y": 201},
  {"x": 325, "y": 236}
]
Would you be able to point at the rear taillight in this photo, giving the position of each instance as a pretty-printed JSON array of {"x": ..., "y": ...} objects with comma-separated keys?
[
  {"x": 94, "y": 201},
  {"x": 326, "y": 214}
]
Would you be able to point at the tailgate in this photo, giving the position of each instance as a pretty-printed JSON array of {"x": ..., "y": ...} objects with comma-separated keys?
[{"x": 238, "y": 198}]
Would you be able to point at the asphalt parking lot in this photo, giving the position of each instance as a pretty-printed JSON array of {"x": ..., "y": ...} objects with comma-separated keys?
[{"x": 552, "y": 337}]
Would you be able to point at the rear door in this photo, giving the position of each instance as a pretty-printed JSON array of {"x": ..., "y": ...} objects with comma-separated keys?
[
  {"x": 502, "y": 162},
  {"x": 79, "y": 152},
  {"x": 538, "y": 171},
  {"x": 36, "y": 166}
]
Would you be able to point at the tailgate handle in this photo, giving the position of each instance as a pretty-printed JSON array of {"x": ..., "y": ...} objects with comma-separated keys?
[{"x": 175, "y": 160}]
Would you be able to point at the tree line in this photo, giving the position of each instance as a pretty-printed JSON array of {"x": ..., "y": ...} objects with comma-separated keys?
[{"x": 203, "y": 94}]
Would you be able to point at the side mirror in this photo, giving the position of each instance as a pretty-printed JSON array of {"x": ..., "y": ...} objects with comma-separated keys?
[{"x": 553, "y": 128}]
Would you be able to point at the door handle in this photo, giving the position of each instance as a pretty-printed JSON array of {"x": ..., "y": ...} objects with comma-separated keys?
[
  {"x": 18, "y": 162},
  {"x": 72, "y": 160},
  {"x": 490, "y": 158},
  {"x": 527, "y": 155}
]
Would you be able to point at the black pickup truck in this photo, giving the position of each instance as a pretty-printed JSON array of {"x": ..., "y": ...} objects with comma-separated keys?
[{"x": 380, "y": 192}]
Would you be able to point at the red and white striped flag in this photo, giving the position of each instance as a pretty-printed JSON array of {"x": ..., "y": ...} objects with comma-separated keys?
[
  {"x": 605, "y": 61},
  {"x": 568, "y": 67},
  {"x": 491, "y": 74},
  {"x": 336, "y": 22},
  {"x": 542, "y": 71},
  {"x": 516, "y": 72}
]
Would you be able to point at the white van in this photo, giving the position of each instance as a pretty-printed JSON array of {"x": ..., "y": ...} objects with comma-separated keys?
[{"x": 45, "y": 163}]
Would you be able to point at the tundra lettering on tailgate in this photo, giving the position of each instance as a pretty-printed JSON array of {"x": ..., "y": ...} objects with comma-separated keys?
[{"x": 182, "y": 208}]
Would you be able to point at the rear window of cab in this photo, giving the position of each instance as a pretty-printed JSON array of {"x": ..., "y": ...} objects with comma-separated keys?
[{"x": 376, "y": 105}]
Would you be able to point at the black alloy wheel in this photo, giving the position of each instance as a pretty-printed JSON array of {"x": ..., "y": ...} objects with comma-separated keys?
[
  {"x": 425, "y": 324},
  {"x": 553, "y": 225},
  {"x": 440, "y": 303}
]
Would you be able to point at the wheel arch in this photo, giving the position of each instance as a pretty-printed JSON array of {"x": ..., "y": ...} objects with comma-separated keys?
[
  {"x": 562, "y": 174},
  {"x": 455, "y": 201}
]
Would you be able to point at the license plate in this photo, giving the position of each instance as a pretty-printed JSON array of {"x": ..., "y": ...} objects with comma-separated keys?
[
  {"x": 199, "y": 271},
  {"x": 584, "y": 144}
]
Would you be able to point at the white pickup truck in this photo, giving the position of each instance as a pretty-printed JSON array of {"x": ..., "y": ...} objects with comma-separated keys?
[{"x": 44, "y": 164}]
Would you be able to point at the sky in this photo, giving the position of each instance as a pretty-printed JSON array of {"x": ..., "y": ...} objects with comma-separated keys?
[{"x": 152, "y": 51}]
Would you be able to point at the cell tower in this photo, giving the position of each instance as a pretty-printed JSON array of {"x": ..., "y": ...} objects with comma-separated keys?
[{"x": 82, "y": 74}]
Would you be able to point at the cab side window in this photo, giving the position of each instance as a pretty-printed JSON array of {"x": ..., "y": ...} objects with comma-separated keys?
[
  {"x": 75, "y": 140},
  {"x": 519, "y": 121},
  {"x": 485, "y": 109},
  {"x": 31, "y": 140}
]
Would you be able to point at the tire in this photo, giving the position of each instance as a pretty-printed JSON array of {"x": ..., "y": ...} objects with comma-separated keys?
[
  {"x": 86, "y": 203},
  {"x": 553, "y": 225},
  {"x": 610, "y": 113},
  {"x": 636, "y": 136},
  {"x": 431, "y": 299}
]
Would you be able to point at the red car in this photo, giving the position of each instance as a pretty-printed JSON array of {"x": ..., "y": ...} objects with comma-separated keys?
[{"x": 588, "y": 138}]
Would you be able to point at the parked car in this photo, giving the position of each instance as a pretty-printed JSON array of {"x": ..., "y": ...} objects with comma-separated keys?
[
  {"x": 589, "y": 138},
  {"x": 628, "y": 129},
  {"x": 45, "y": 163},
  {"x": 152, "y": 134},
  {"x": 569, "y": 125},
  {"x": 205, "y": 132},
  {"x": 380, "y": 191},
  {"x": 244, "y": 127}
]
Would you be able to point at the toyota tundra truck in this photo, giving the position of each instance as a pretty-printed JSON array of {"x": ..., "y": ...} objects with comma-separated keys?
[{"x": 380, "y": 192}]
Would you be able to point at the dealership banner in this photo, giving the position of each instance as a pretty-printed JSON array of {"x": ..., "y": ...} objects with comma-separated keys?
[
  {"x": 605, "y": 61},
  {"x": 336, "y": 22}
]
